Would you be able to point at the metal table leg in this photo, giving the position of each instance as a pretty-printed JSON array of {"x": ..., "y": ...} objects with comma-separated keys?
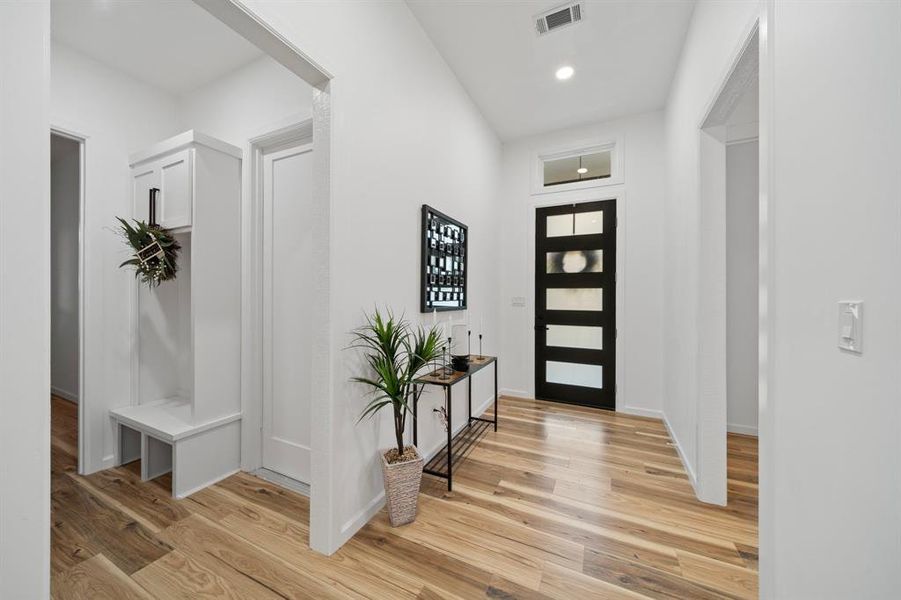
[
  {"x": 495, "y": 395},
  {"x": 469, "y": 402},
  {"x": 450, "y": 430}
]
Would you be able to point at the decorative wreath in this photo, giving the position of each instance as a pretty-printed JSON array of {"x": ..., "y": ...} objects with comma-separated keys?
[{"x": 155, "y": 251}]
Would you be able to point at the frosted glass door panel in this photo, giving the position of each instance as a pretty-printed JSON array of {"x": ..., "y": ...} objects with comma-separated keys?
[
  {"x": 575, "y": 261},
  {"x": 574, "y": 374},
  {"x": 588, "y": 223},
  {"x": 575, "y": 299},
  {"x": 559, "y": 225},
  {"x": 575, "y": 336}
]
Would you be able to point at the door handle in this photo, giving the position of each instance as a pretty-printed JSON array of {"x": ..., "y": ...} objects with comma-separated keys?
[{"x": 151, "y": 205}]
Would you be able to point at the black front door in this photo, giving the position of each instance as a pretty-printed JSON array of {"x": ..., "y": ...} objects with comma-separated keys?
[{"x": 575, "y": 303}]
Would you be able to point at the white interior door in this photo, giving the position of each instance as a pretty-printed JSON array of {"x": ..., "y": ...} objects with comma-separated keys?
[{"x": 287, "y": 297}]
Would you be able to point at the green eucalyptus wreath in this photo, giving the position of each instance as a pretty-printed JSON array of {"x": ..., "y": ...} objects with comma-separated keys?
[{"x": 155, "y": 251}]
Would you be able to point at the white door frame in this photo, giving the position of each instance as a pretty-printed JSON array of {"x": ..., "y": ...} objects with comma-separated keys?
[
  {"x": 325, "y": 529},
  {"x": 711, "y": 417},
  {"x": 615, "y": 192},
  {"x": 295, "y": 132},
  {"x": 81, "y": 140}
]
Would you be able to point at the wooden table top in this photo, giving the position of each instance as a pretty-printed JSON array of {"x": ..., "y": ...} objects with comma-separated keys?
[{"x": 476, "y": 363}]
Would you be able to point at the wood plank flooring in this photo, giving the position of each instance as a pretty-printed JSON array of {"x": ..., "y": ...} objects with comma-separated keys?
[{"x": 562, "y": 502}]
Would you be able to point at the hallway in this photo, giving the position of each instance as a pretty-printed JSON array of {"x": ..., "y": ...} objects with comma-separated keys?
[{"x": 562, "y": 502}]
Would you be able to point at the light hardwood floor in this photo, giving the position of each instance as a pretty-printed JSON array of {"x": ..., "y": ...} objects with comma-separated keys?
[{"x": 563, "y": 502}]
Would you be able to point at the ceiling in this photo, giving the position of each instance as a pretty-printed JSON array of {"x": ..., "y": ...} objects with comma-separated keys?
[
  {"x": 176, "y": 46},
  {"x": 624, "y": 54}
]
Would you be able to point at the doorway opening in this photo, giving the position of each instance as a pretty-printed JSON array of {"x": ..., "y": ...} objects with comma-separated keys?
[
  {"x": 141, "y": 104},
  {"x": 66, "y": 298},
  {"x": 729, "y": 289},
  {"x": 575, "y": 304}
]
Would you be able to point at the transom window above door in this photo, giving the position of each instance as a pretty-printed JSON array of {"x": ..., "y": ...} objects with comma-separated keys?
[
  {"x": 572, "y": 169},
  {"x": 558, "y": 170}
]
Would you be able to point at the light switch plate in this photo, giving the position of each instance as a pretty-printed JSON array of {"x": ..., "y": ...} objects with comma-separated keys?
[{"x": 850, "y": 326}]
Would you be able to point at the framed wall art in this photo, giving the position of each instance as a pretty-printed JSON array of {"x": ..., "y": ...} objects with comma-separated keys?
[{"x": 444, "y": 269}]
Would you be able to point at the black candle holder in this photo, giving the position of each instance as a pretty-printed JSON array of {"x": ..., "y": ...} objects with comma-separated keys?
[
  {"x": 443, "y": 362},
  {"x": 447, "y": 370},
  {"x": 480, "y": 347},
  {"x": 469, "y": 342}
]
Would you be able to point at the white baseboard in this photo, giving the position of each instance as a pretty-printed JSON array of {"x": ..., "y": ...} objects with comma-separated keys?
[
  {"x": 107, "y": 462},
  {"x": 689, "y": 468},
  {"x": 515, "y": 393},
  {"x": 638, "y": 411},
  {"x": 356, "y": 522},
  {"x": 359, "y": 520},
  {"x": 64, "y": 394},
  {"x": 207, "y": 484},
  {"x": 476, "y": 411},
  {"x": 281, "y": 480},
  {"x": 742, "y": 429}
]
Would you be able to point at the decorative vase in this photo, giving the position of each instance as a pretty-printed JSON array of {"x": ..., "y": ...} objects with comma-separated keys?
[
  {"x": 460, "y": 362},
  {"x": 402, "y": 481}
]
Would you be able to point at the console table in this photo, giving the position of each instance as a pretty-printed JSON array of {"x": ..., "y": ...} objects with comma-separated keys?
[{"x": 442, "y": 464}]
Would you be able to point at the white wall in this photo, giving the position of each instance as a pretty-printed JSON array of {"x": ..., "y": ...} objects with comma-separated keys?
[
  {"x": 118, "y": 115},
  {"x": 640, "y": 202},
  {"x": 247, "y": 102},
  {"x": 742, "y": 206},
  {"x": 404, "y": 133},
  {"x": 65, "y": 203},
  {"x": 836, "y": 449},
  {"x": 24, "y": 301},
  {"x": 717, "y": 32}
]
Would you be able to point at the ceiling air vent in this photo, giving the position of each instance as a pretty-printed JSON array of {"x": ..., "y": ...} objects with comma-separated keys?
[{"x": 558, "y": 17}]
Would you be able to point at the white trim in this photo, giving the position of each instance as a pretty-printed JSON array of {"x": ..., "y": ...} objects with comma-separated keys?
[
  {"x": 235, "y": 15},
  {"x": 65, "y": 395},
  {"x": 180, "y": 142},
  {"x": 710, "y": 376},
  {"x": 441, "y": 443},
  {"x": 742, "y": 429},
  {"x": 639, "y": 411},
  {"x": 284, "y": 481},
  {"x": 207, "y": 484},
  {"x": 689, "y": 468},
  {"x": 766, "y": 418},
  {"x": 513, "y": 393},
  {"x": 741, "y": 134},
  {"x": 614, "y": 145},
  {"x": 71, "y": 133},
  {"x": 361, "y": 518}
]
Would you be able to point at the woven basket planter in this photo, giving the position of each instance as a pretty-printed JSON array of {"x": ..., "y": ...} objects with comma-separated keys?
[{"x": 402, "y": 482}]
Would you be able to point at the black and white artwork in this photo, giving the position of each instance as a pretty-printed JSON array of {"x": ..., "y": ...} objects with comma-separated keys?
[{"x": 443, "y": 273}]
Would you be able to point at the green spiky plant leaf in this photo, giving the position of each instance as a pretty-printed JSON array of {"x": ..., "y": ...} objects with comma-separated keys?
[
  {"x": 396, "y": 353},
  {"x": 154, "y": 270}
]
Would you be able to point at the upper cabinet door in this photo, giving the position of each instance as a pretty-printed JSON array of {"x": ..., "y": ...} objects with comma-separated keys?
[
  {"x": 144, "y": 179},
  {"x": 175, "y": 202}
]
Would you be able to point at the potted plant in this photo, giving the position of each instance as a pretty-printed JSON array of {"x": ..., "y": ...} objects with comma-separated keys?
[{"x": 396, "y": 352}]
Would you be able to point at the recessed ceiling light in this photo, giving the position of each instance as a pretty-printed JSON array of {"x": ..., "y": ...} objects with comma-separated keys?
[
  {"x": 564, "y": 73},
  {"x": 581, "y": 170}
]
